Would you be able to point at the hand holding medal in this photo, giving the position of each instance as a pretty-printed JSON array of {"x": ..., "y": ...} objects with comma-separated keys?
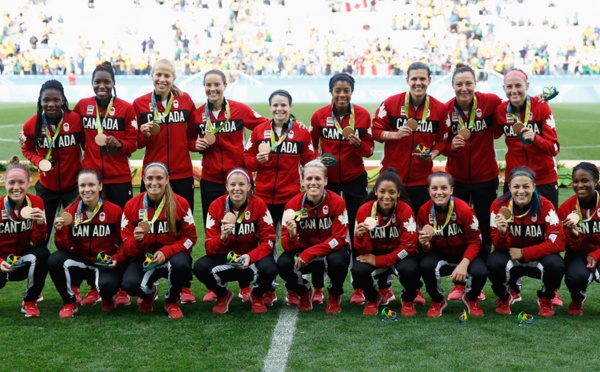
[{"x": 263, "y": 152}]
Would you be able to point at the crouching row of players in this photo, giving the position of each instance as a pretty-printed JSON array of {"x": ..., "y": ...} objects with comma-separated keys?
[{"x": 156, "y": 234}]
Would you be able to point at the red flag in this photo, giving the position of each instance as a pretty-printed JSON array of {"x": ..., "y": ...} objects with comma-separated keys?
[{"x": 356, "y": 5}]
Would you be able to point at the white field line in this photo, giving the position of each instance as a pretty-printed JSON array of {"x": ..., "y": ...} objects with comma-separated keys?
[
  {"x": 8, "y": 140},
  {"x": 283, "y": 335}
]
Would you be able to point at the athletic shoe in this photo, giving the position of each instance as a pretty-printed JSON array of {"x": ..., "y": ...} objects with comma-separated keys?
[
  {"x": 244, "y": 294},
  {"x": 258, "y": 304},
  {"x": 372, "y": 307},
  {"x": 457, "y": 292},
  {"x": 436, "y": 309},
  {"x": 576, "y": 308},
  {"x": 408, "y": 308},
  {"x": 146, "y": 305},
  {"x": 91, "y": 298},
  {"x": 210, "y": 296},
  {"x": 173, "y": 311},
  {"x": 139, "y": 300},
  {"x": 186, "y": 296},
  {"x": 292, "y": 298},
  {"x": 108, "y": 305},
  {"x": 387, "y": 296},
  {"x": 77, "y": 293},
  {"x": 269, "y": 298},
  {"x": 472, "y": 306},
  {"x": 122, "y": 298},
  {"x": 545, "y": 305},
  {"x": 40, "y": 298},
  {"x": 516, "y": 296},
  {"x": 503, "y": 306},
  {"x": 68, "y": 310},
  {"x": 358, "y": 297},
  {"x": 557, "y": 301},
  {"x": 481, "y": 296},
  {"x": 334, "y": 304},
  {"x": 222, "y": 305},
  {"x": 318, "y": 297},
  {"x": 30, "y": 309},
  {"x": 419, "y": 300},
  {"x": 306, "y": 301}
]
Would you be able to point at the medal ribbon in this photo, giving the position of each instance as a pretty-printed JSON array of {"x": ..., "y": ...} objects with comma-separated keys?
[
  {"x": 156, "y": 211},
  {"x": 374, "y": 215},
  {"x": 510, "y": 206},
  {"x": 47, "y": 130},
  {"x": 337, "y": 124},
  {"x": 8, "y": 208},
  {"x": 437, "y": 230},
  {"x": 407, "y": 107},
  {"x": 209, "y": 123},
  {"x": 306, "y": 210},
  {"x": 100, "y": 123},
  {"x": 527, "y": 112},
  {"x": 589, "y": 215},
  {"x": 79, "y": 215},
  {"x": 462, "y": 117},
  {"x": 157, "y": 116},
  {"x": 276, "y": 143},
  {"x": 240, "y": 217}
]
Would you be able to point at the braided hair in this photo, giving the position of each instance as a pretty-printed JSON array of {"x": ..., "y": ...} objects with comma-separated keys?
[
  {"x": 106, "y": 66},
  {"x": 50, "y": 84}
]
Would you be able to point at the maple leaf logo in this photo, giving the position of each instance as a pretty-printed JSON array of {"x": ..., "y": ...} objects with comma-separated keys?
[
  {"x": 475, "y": 224},
  {"x": 382, "y": 111},
  {"x": 552, "y": 218},
  {"x": 189, "y": 218},
  {"x": 410, "y": 225}
]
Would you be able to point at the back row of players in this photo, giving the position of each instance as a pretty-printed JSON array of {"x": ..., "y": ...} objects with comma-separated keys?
[{"x": 415, "y": 126}]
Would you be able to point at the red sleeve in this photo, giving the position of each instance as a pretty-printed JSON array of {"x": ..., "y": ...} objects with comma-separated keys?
[
  {"x": 195, "y": 119},
  {"x": 381, "y": 122},
  {"x": 130, "y": 247},
  {"x": 554, "y": 236},
  {"x": 214, "y": 245},
  {"x": 367, "y": 144},
  {"x": 314, "y": 130},
  {"x": 266, "y": 232},
  {"x": 441, "y": 137},
  {"x": 563, "y": 211},
  {"x": 363, "y": 244},
  {"x": 62, "y": 237},
  {"x": 500, "y": 242},
  {"x": 40, "y": 230},
  {"x": 131, "y": 131},
  {"x": 289, "y": 244},
  {"x": 308, "y": 149},
  {"x": 548, "y": 141},
  {"x": 187, "y": 235},
  {"x": 472, "y": 233},
  {"x": 250, "y": 152},
  {"x": 422, "y": 220},
  {"x": 27, "y": 142},
  {"x": 337, "y": 240},
  {"x": 407, "y": 242}
]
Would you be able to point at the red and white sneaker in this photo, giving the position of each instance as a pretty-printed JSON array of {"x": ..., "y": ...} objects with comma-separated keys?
[
  {"x": 258, "y": 304},
  {"x": 436, "y": 309},
  {"x": 68, "y": 310},
  {"x": 122, "y": 298},
  {"x": 557, "y": 301},
  {"x": 546, "y": 308},
  {"x": 173, "y": 311},
  {"x": 387, "y": 296},
  {"x": 244, "y": 294},
  {"x": 146, "y": 305},
  {"x": 576, "y": 308},
  {"x": 91, "y": 298},
  {"x": 40, "y": 298},
  {"x": 186, "y": 296},
  {"x": 457, "y": 292},
  {"x": 222, "y": 305},
  {"x": 481, "y": 296},
  {"x": 503, "y": 306},
  {"x": 515, "y": 297},
  {"x": 358, "y": 297},
  {"x": 472, "y": 306},
  {"x": 306, "y": 301},
  {"x": 108, "y": 306},
  {"x": 270, "y": 298},
  {"x": 334, "y": 304},
  {"x": 210, "y": 296},
  {"x": 292, "y": 298},
  {"x": 419, "y": 300},
  {"x": 77, "y": 293},
  {"x": 318, "y": 297},
  {"x": 408, "y": 308},
  {"x": 30, "y": 309},
  {"x": 372, "y": 307}
]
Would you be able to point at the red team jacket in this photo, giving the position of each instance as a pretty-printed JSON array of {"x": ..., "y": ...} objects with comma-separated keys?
[
  {"x": 326, "y": 136},
  {"x": 254, "y": 235},
  {"x": 321, "y": 230},
  {"x": 476, "y": 162},
  {"x": 17, "y": 235},
  {"x": 168, "y": 147},
  {"x": 66, "y": 156},
  {"x": 460, "y": 237},
  {"x": 120, "y": 123},
  {"x": 390, "y": 116},
  {"x": 539, "y": 234},
  {"x": 539, "y": 155},
  {"x": 159, "y": 237},
  {"x": 101, "y": 234},
  {"x": 278, "y": 180},
  {"x": 588, "y": 242},
  {"x": 389, "y": 243},
  {"x": 226, "y": 153}
]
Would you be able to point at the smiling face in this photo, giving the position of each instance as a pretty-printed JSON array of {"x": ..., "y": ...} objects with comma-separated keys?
[
  {"x": 418, "y": 81},
  {"x": 387, "y": 195},
  {"x": 214, "y": 87},
  {"x": 584, "y": 184},
  {"x": 464, "y": 88},
  {"x": 155, "y": 180},
  {"x": 103, "y": 85},
  {"x": 341, "y": 94},
  {"x": 163, "y": 77},
  {"x": 440, "y": 191},
  {"x": 89, "y": 188},
  {"x": 280, "y": 109},
  {"x": 314, "y": 181},
  {"x": 521, "y": 189},
  {"x": 17, "y": 184},
  {"x": 52, "y": 101},
  {"x": 238, "y": 188},
  {"x": 516, "y": 90}
]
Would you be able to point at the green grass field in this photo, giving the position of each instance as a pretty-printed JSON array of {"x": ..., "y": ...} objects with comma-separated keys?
[{"x": 349, "y": 341}]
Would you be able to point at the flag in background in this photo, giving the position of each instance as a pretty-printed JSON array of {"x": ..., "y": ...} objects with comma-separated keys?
[{"x": 356, "y": 5}]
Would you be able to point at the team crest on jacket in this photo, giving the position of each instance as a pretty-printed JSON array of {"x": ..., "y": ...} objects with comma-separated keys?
[
  {"x": 598, "y": 212},
  {"x": 176, "y": 103},
  {"x": 453, "y": 216},
  {"x": 290, "y": 134},
  {"x": 247, "y": 215},
  {"x": 102, "y": 216},
  {"x": 112, "y": 111},
  {"x": 66, "y": 127},
  {"x": 478, "y": 112},
  {"x": 534, "y": 217},
  {"x": 325, "y": 209},
  {"x": 267, "y": 133},
  {"x": 393, "y": 218},
  {"x": 90, "y": 110}
]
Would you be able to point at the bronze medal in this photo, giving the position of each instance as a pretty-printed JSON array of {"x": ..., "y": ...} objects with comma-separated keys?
[
  {"x": 45, "y": 165},
  {"x": 573, "y": 217},
  {"x": 347, "y": 132},
  {"x": 412, "y": 124},
  {"x": 465, "y": 133},
  {"x": 229, "y": 218},
  {"x": 67, "y": 217},
  {"x": 100, "y": 139},
  {"x": 518, "y": 127},
  {"x": 263, "y": 148},
  {"x": 145, "y": 225},
  {"x": 428, "y": 229},
  {"x": 26, "y": 212},
  {"x": 371, "y": 223},
  {"x": 505, "y": 212},
  {"x": 154, "y": 129},
  {"x": 210, "y": 138},
  {"x": 289, "y": 214}
]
